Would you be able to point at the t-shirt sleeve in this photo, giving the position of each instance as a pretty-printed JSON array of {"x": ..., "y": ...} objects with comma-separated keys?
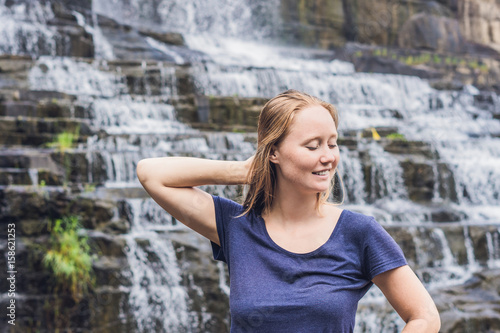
[
  {"x": 225, "y": 211},
  {"x": 381, "y": 252}
]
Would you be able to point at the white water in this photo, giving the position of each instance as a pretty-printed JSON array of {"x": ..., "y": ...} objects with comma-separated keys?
[
  {"x": 103, "y": 49},
  {"x": 24, "y": 30},
  {"x": 157, "y": 298},
  {"x": 143, "y": 126}
]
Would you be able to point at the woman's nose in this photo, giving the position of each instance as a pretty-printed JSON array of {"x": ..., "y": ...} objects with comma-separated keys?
[{"x": 328, "y": 155}]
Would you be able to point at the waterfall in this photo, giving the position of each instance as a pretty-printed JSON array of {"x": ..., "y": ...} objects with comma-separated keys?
[
  {"x": 194, "y": 17},
  {"x": 131, "y": 105},
  {"x": 103, "y": 50},
  {"x": 350, "y": 169},
  {"x": 24, "y": 29},
  {"x": 72, "y": 77},
  {"x": 157, "y": 299}
]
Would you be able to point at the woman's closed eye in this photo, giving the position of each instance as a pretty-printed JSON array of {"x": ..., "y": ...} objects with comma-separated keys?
[{"x": 331, "y": 146}]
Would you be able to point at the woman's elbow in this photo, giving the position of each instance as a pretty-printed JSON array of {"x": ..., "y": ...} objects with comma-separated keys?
[
  {"x": 141, "y": 170},
  {"x": 433, "y": 318},
  {"x": 429, "y": 323},
  {"x": 435, "y": 322}
]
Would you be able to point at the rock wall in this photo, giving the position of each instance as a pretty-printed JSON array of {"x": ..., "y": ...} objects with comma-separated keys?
[{"x": 462, "y": 26}]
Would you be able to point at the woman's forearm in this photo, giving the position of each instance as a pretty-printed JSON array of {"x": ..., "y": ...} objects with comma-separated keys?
[{"x": 190, "y": 172}]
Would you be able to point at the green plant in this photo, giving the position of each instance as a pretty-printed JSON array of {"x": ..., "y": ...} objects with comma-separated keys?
[
  {"x": 473, "y": 64},
  {"x": 436, "y": 59},
  {"x": 396, "y": 136},
  {"x": 89, "y": 188},
  {"x": 64, "y": 141},
  {"x": 69, "y": 258},
  {"x": 483, "y": 68},
  {"x": 409, "y": 60}
]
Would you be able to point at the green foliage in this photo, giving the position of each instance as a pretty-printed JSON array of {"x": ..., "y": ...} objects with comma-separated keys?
[
  {"x": 89, "y": 188},
  {"x": 473, "y": 64},
  {"x": 436, "y": 59},
  {"x": 430, "y": 59},
  {"x": 64, "y": 141},
  {"x": 396, "y": 136},
  {"x": 69, "y": 258}
]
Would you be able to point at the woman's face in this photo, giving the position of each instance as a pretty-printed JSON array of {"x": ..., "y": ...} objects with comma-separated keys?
[{"x": 307, "y": 157}]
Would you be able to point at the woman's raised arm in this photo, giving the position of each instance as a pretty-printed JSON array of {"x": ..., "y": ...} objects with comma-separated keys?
[{"x": 171, "y": 182}]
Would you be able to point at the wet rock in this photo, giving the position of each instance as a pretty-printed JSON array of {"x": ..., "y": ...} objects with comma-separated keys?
[
  {"x": 49, "y": 178},
  {"x": 173, "y": 38},
  {"x": 77, "y": 166},
  {"x": 14, "y": 161},
  {"x": 315, "y": 23},
  {"x": 472, "y": 306},
  {"x": 483, "y": 240},
  {"x": 15, "y": 63},
  {"x": 15, "y": 177},
  {"x": 431, "y": 32},
  {"x": 233, "y": 114},
  {"x": 109, "y": 308},
  {"x": 446, "y": 215},
  {"x": 92, "y": 213},
  {"x": 403, "y": 146},
  {"x": 419, "y": 180},
  {"x": 32, "y": 227},
  {"x": 107, "y": 245},
  {"x": 15, "y": 109},
  {"x": 109, "y": 271},
  {"x": 80, "y": 45},
  {"x": 120, "y": 226},
  {"x": 200, "y": 273},
  {"x": 447, "y": 188}
]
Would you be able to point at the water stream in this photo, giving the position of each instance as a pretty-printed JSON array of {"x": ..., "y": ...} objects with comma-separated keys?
[{"x": 461, "y": 134}]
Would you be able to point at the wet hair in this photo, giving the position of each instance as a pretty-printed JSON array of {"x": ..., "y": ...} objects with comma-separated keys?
[{"x": 274, "y": 124}]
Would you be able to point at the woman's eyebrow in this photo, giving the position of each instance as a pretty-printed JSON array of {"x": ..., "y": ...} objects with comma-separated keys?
[{"x": 319, "y": 138}]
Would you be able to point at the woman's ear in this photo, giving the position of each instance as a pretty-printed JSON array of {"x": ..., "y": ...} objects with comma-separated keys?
[{"x": 273, "y": 155}]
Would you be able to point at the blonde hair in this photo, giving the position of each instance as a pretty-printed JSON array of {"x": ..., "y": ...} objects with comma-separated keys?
[{"x": 275, "y": 120}]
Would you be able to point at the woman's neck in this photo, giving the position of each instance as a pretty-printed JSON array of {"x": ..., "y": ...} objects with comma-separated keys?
[{"x": 291, "y": 208}]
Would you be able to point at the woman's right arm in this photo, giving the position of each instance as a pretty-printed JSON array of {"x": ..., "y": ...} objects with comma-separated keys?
[{"x": 171, "y": 182}]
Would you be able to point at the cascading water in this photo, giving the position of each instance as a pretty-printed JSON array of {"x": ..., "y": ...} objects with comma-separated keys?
[
  {"x": 139, "y": 125},
  {"x": 24, "y": 30},
  {"x": 157, "y": 299}
]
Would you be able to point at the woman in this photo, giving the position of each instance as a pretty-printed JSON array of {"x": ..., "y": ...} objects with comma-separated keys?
[{"x": 296, "y": 263}]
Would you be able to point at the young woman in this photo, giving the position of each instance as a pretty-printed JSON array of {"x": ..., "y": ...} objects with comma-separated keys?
[{"x": 296, "y": 263}]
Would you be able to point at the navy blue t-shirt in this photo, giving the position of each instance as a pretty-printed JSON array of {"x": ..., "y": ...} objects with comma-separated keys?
[{"x": 275, "y": 290}]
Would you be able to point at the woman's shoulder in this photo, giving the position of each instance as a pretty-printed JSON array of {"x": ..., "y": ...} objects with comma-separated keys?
[{"x": 358, "y": 222}]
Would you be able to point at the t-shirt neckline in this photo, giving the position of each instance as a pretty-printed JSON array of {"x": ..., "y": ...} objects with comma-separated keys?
[{"x": 275, "y": 245}]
